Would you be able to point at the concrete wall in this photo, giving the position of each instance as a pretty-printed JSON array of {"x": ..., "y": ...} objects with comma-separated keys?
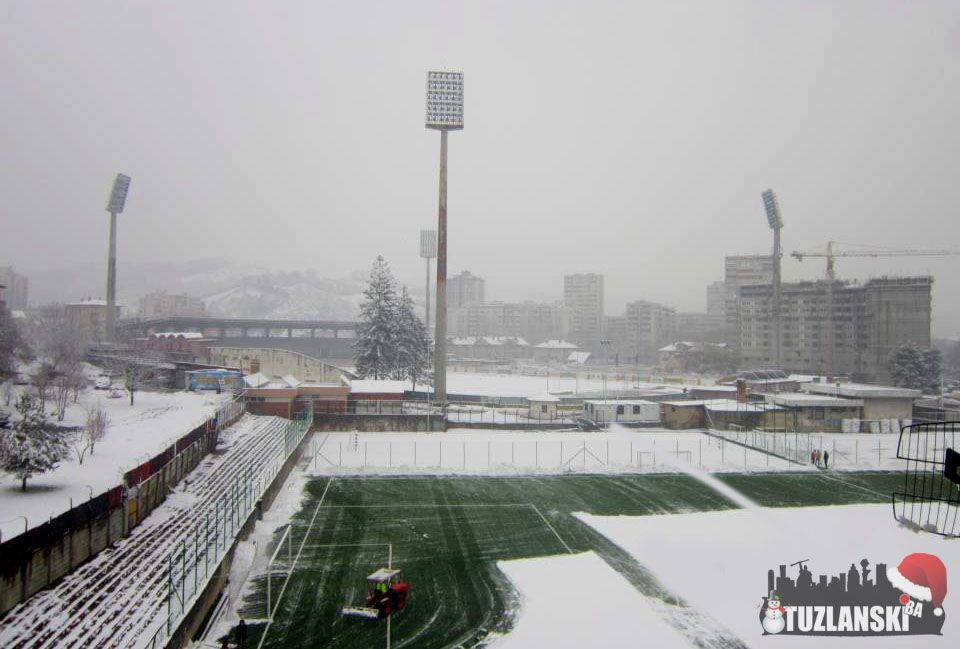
[
  {"x": 276, "y": 362},
  {"x": 682, "y": 417},
  {"x": 887, "y": 408}
]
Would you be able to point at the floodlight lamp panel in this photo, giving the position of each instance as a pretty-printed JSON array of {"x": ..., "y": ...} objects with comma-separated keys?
[
  {"x": 428, "y": 244},
  {"x": 772, "y": 207},
  {"x": 444, "y": 100},
  {"x": 118, "y": 196}
]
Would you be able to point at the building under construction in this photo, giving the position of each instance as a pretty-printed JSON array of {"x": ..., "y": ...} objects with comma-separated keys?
[{"x": 837, "y": 327}]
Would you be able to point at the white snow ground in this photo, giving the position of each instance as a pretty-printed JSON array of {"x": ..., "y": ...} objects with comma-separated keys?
[
  {"x": 135, "y": 434},
  {"x": 718, "y": 561},
  {"x": 576, "y": 601}
]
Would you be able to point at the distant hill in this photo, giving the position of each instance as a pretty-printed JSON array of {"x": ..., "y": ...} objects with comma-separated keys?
[{"x": 228, "y": 289}]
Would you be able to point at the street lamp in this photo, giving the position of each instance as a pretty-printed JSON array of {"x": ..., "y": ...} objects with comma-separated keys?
[
  {"x": 775, "y": 220},
  {"x": 428, "y": 250},
  {"x": 444, "y": 114},
  {"x": 118, "y": 198}
]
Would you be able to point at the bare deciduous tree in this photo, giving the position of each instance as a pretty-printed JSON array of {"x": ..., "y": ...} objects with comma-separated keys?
[{"x": 94, "y": 429}]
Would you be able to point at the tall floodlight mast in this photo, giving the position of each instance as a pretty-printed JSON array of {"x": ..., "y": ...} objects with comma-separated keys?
[
  {"x": 118, "y": 198},
  {"x": 428, "y": 251},
  {"x": 444, "y": 114},
  {"x": 775, "y": 221}
]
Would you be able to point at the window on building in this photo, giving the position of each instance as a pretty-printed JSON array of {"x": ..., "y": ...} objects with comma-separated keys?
[
  {"x": 619, "y": 410},
  {"x": 543, "y": 407},
  {"x": 636, "y": 410}
]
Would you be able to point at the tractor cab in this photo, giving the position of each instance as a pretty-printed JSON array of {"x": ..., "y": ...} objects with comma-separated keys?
[{"x": 386, "y": 593}]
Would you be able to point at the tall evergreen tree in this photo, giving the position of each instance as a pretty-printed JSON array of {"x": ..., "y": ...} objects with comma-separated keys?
[
  {"x": 11, "y": 344},
  {"x": 413, "y": 343},
  {"x": 916, "y": 368},
  {"x": 374, "y": 352},
  {"x": 32, "y": 445}
]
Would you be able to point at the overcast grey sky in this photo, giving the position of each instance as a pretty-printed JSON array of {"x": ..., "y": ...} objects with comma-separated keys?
[{"x": 631, "y": 139}]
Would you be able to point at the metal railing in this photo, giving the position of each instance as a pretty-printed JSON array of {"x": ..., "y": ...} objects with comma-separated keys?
[{"x": 201, "y": 550}]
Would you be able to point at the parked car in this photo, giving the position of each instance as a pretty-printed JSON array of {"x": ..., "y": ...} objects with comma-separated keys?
[{"x": 102, "y": 383}]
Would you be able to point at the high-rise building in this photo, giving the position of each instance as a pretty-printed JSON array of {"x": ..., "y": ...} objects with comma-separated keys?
[
  {"x": 583, "y": 301},
  {"x": 739, "y": 271},
  {"x": 717, "y": 298},
  {"x": 464, "y": 290},
  {"x": 18, "y": 288},
  {"x": 868, "y": 322},
  {"x": 162, "y": 304}
]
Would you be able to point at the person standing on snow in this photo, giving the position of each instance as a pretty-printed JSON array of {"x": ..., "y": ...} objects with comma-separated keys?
[
  {"x": 241, "y": 634},
  {"x": 826, "y": 459}
]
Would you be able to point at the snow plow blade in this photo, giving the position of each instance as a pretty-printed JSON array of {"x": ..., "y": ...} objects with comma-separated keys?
[{"x": 361, "y": 611}]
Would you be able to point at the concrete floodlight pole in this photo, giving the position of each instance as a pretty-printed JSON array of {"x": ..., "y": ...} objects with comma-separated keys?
[
  {"x": 112, "y": 280},
  {"x": 777, "y": 299},
  {"x": 118, "y": 198},
  {"x": 444, "y": 113},
  {"x": 426, "y": 318},
  {"x": 440, "y": 335},
  {"x": 775, "y": 220}
]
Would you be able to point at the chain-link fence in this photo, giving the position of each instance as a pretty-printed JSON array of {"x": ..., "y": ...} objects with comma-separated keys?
[{"x": 836, "y": 450}]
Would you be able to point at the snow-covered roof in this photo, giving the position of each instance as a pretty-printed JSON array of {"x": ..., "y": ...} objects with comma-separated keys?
[
  {"x": 578, "y": 357},
  {"x": 556, "y": 344},
  {"x": 187, "y": 335},
  {"x": 503, "y": 340},
  {"x": 730, "y": 405},
  {"x": 862, "y": 390},
  {"x": 714, "y": 388},
  {"x": 544, "y": 398},
  {"x": 90, "y": 302},
  {"x": 464, "y": 341},
  {"x": 374, "y": 386},
  {"x": 807, "y": 400},
  {"x": 291, "y": 381},
  {"x": 621, "y": 402},
  {"x": 257, "y": 380}
]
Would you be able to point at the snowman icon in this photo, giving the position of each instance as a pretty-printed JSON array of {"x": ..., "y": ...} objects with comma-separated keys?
[{"x": 773, "y": 613}]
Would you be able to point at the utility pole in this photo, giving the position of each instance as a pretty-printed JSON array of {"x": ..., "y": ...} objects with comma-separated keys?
[
  {"x": 118, "y": 198},
  {"x": 444, "y": 113}
]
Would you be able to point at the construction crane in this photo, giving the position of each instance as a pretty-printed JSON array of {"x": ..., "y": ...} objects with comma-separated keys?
[{"x": 831, "y": 255}]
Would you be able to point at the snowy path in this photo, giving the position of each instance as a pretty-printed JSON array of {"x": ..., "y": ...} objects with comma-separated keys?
[{"x": 120, "y": 596}]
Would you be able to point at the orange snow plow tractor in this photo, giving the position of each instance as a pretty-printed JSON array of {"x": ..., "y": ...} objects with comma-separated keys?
[{"x": 387, "y": 592}]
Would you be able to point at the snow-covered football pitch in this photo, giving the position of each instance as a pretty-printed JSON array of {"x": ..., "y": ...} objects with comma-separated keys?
[{"x": 518, "y": 561}]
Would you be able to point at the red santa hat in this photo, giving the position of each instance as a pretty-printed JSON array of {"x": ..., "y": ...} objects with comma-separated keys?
[{"x": 923, "y": 577}]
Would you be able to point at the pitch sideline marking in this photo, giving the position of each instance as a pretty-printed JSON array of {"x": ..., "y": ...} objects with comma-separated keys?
[
  {"x": 295, "y": 560},
  {"x": 544, "y": 518}
]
